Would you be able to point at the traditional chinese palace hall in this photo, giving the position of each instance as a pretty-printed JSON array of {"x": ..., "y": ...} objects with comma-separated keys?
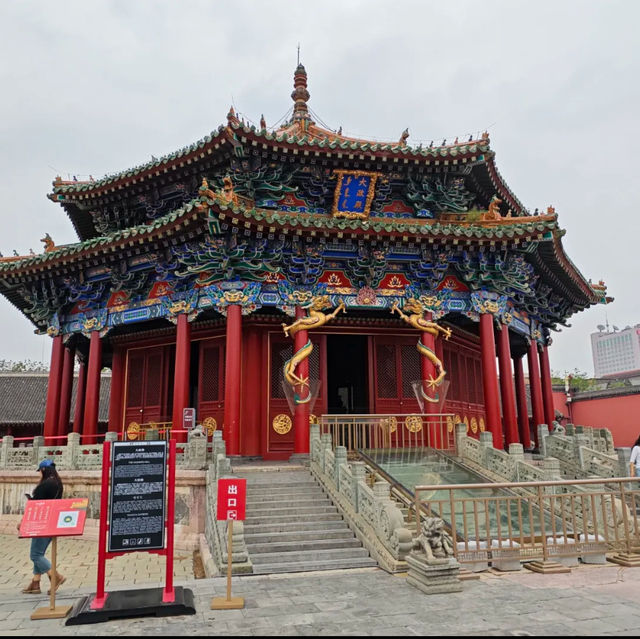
[{"x": 266, "y": 276}]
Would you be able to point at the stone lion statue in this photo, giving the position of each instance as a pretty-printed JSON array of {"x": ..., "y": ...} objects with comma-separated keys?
[{"x": 433, "y": 540}]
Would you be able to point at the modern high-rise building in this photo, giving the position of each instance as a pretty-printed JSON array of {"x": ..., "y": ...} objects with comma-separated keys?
[{"x": 616, "y": 352}]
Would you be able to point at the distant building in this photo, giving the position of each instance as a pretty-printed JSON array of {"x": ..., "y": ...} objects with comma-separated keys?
[
  {"x": 616, "y": 353},
  {"x": 23, "y": 403}
]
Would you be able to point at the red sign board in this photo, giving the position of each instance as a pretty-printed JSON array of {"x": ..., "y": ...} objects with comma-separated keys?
[
  {"x": 54, "y": 517},
  {"x": 232, "y": 499}
]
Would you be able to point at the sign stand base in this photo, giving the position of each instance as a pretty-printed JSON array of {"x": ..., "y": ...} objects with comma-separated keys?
[
  {"x": 146, "y": 602},
  {"x": 221, "y": 603},
  {"x": 51, "y": 613}
]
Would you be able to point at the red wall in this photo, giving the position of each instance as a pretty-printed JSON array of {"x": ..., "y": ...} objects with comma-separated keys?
[{"x": 619, "y": 414}]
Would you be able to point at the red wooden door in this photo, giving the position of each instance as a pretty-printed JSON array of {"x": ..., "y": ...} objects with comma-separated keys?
[
  {"x": 279, "y": 445},
  {"x": 465, "y": 398},
  {"x": 147, "y": 385},
  {"x": 396, "y": 366},
  {"x": 211, "y": 384}
]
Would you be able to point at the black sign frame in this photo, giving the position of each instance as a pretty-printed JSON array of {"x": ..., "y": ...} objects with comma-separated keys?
[{"x": 126, "y": 459}]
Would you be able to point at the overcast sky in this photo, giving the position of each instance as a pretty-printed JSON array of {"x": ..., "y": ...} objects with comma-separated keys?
[{"x": 98, "y": 87}]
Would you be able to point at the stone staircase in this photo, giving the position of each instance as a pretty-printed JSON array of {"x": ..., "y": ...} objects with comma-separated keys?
[{"x": 291, "y": 525}]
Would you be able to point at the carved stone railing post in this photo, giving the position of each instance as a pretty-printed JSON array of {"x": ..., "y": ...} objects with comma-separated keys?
[
  {"x": 71, "y": 450},
  {"x": 624, "y": 456},
  {"x": 218, "y": 445},
  {"x": 38, "y": 445},
  {"x": 570, "y": 430},
  {"x": 381, "y": 490},
  {"x": 111, "y": 436},
  {"x": 460, "y": 434},
  {"x": 551, "y": 467},
  {"x": 325, "y": 438},
  {"x": 197, "y": 448},
  {"x": 7, "y": 445},
  {"x": 543, "y": 433},
  {"x": 606, "y": 435},
  {"x": 516, "y": 451},
  {"x": 340, "y": 458},
  {"x": 486, "y": 445},
  {"x": 314, "y": 441},
  {"x": 358, "y": 474}
]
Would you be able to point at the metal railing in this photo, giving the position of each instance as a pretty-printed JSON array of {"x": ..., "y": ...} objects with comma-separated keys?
[
  {"x": 389, "y": 431},
  {"x": 536, "y": 520}
]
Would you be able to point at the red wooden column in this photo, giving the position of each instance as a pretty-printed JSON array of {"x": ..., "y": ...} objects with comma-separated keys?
[
  {"x": 117, "y": 385},
  {"x": 52, "y": 411},
  {"x": 92, "y": 394},
  {"x": 547, "y": 390},
  {"x": 66, "y": 387},
  {"x": 80, "y": 393},
  {"x": 301, "y": 413},
  {"x": 181, "y": 375},
  {"x": 490, "y": 378},
  {"x": 232, "y": 381},
  {"x": 252, "y": 398},
  {"x": 536, "y": 388},
  {"x": 521, "y": 401},
  {"x": 506, "y": 388}
]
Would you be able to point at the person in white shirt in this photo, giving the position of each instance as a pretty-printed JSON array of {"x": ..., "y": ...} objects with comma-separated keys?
[{"x": 634, "y": 461}]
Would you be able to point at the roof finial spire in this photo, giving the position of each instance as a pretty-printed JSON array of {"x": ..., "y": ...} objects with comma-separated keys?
[
  {"x": 298, "y": 54},
  {"x": 300, "y": 96}
]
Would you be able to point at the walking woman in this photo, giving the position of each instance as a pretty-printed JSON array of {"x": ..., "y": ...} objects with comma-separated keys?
[{"x": 50, "y": 487}]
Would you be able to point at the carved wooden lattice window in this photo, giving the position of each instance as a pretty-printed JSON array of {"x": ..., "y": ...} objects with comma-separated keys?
[
  {"x": 136, "y": 380},
  {"x": 387, "y": 373},
  {"x": 280, "y": 353},
  {"x": 411, "y": 371},
  {"x": 211, "y": 374},
  {"x": 153, "y": 390}
]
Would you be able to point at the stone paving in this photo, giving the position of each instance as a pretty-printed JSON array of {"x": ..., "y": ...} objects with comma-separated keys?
[{"x": 591, "y": 600}]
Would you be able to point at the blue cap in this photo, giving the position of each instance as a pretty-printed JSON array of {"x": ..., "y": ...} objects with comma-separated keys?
[{"x": 45, "y": 463}]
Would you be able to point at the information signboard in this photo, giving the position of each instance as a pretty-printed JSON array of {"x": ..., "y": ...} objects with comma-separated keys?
[
  {"x": 138, "y": 490},
  {"x": 188, "y": 418},
  {"x": 53, "y": 517},
  {"x": 232, "y": 499}
]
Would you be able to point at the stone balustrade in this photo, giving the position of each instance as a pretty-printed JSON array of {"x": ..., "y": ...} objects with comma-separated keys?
[
  {"x": 216, "y": 531},
  {"x": 195, "y": 454},
  {"x": 585, "y": 454},
  {"x": 371, "y": 513},
  {"x": 498, "y": 464}
]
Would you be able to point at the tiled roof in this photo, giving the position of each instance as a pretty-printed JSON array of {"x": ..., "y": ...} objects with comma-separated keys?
[
  {"x": 23, "y": 397},
  {"x": 98, "y": 243}
]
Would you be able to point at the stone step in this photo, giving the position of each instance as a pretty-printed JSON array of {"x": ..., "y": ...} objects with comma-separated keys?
[
  {"x": 275, "y": 495},
  {"x": 260, "y": 537},
  {"x": 263, "y": 520},
  {"x": 318, "y": 526},
  {"x": 308, "y": 555},
  {"x": 274, "y": 489},
  {"x": 306, "y": 566},
  {"x": 285, "y": 546},
  {"x": 282, "y": 504},
  {"x": 293, "y": 512}
]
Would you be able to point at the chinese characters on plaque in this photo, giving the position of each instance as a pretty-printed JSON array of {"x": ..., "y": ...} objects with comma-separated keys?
[
  {"x": 354, "y": 193},
  {"x": 232, "y": 499}
]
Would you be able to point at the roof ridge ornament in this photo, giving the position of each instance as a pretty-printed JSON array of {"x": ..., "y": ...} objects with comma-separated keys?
[{"x": 300, "y": 97}]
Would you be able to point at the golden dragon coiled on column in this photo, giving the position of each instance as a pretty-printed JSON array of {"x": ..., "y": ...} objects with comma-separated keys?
[
  {"x": 315, "y": 319},
  {"x": 417, "y": 320}
]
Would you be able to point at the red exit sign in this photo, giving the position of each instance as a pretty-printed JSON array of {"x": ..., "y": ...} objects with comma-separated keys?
[{"x": 232, "y": 499}]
